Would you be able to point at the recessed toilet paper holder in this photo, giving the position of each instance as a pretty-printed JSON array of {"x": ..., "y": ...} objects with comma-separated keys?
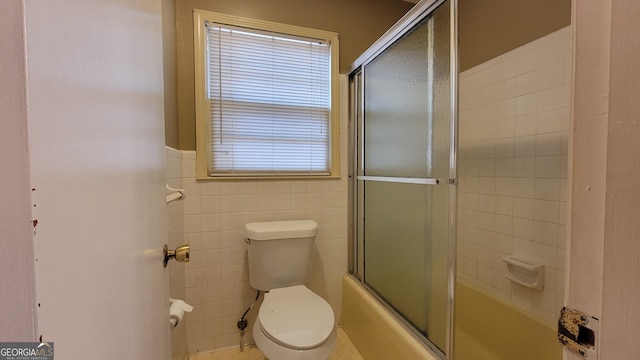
[{"x": 180, "y": 254}]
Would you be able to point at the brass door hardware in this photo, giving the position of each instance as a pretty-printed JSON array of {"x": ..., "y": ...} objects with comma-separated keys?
[{"x": 180, "y": 254}]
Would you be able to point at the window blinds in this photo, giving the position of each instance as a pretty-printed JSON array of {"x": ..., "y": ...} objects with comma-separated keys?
[{"x": 269, "y": 97}]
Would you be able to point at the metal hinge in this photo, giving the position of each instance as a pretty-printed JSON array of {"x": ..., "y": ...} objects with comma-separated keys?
[{"x": 577, "y": 332}]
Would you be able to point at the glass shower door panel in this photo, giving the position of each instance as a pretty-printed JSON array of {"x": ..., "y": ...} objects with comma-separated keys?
[
  {"x": 406, "y": 229},
  {"x": 407, "y": 104},
  {"x": 396, "y": 115},
  {"x": 396, "y": 248}
]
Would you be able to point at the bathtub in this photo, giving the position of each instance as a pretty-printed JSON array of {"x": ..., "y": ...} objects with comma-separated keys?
[
  {"x": 490, "y": 329},
  {"x": 487, "y": 329},
  {"x": 373, "y": 330}
]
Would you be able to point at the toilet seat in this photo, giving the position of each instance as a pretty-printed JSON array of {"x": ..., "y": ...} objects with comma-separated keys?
[{"x": 296, "y": 318}]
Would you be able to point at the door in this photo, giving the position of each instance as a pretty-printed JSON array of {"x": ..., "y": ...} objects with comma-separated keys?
[{"x": 97, "y": 167}]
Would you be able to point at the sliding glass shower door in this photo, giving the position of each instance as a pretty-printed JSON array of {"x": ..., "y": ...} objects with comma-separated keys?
[{"x": 404, "y": 181}]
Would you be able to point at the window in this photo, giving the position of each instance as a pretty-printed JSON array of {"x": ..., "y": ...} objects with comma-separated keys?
[{"x": 266, "y": 99}]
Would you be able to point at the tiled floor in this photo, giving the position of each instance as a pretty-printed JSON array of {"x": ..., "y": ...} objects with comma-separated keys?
[{"x": 345, "y": 350}]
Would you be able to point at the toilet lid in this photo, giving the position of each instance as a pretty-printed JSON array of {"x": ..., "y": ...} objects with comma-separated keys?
[{"x": 296, "y": 318}]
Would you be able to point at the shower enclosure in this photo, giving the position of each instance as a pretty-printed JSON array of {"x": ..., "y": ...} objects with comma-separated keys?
[{"x": 403, "y": 174}]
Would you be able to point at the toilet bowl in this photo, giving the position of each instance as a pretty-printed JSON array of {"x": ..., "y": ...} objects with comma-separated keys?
[{"x": 295, "y": 323}]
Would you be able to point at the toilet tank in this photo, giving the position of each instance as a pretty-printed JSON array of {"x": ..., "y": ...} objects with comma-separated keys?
[{"x": 280, "y": 253}]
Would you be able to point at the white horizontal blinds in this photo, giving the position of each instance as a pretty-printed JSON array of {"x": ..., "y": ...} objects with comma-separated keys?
[{"x": 269, "y": 102}]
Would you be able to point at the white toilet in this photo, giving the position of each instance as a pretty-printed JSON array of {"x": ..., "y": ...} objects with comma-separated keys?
[{"x": 293, "y": 322}]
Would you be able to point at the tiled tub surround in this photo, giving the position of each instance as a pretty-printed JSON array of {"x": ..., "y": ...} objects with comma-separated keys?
[
  {"x": 514, "y": 122},
  {"x": 215, "y": 212}
]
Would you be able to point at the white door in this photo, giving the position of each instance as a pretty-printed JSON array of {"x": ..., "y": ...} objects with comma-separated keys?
[{"x": 96, "y": 149}]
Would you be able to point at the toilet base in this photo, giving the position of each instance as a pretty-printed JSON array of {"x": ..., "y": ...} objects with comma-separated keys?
[{"x": 275, "y": 351}]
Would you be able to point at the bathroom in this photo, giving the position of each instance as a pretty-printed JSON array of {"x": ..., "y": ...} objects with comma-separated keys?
[{"x": 211, "y": 218}]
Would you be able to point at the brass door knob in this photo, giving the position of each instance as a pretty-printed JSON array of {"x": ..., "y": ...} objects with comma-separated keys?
[{"x": 180, "y": 254}]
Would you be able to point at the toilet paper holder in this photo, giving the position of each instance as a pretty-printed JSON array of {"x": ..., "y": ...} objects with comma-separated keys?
[
  {"x": 180, "y": 254},
  {"x": 177, "y": 310}
]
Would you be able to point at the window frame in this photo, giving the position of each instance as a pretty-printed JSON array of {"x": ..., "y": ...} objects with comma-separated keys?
[{"x": 203, "y": 120}]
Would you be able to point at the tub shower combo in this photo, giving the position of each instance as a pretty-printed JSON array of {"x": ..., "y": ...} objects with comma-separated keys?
[{"x": 401, "y": 294}]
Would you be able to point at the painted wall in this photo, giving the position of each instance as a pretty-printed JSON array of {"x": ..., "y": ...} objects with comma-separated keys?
[
  {"x": 170, "y": 73},
  {"x": 514, "y": 122},
  {"x": 17, "y": 268},
  {"x": 359, "y": 23},
  {"x": 489, "y": 28},
  {"x": 215, "y": 212}
]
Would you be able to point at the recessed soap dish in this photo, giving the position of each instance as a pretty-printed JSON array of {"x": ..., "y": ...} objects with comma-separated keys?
[{"x": 524, "y": 272}]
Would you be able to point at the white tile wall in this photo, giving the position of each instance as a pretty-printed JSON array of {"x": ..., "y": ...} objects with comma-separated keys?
[
  {"x": 215, "y": 212},
  {"x": 175, "y": 228},
  {"x": 514, "y": 122}
]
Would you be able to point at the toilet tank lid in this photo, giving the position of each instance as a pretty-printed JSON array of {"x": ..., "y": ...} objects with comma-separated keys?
[{"x": 271, "y": 230}]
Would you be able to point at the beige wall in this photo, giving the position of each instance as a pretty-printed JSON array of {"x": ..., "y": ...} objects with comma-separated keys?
[
  {"x": 169, "y": 73},
  {"x": 359, "y": 23},
  {"x": 489, "y": 28},
  {"x": 17, "y": 268}
]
